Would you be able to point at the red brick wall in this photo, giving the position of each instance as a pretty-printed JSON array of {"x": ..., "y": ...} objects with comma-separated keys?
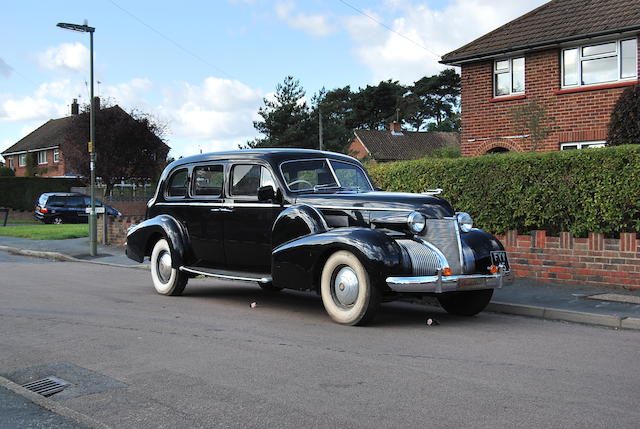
[
  {"x": 116, "y": 228},
  {"x": 48, "y": 170},
  {"x": 575, "y": 116},
  {"x": 594, "y": 260},
  {"x": 357, "y": 149}
]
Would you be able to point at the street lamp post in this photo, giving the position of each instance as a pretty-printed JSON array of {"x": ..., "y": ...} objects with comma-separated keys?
[{"x": 93, "y": 248}]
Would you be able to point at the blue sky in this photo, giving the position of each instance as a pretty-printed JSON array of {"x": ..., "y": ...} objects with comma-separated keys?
[{"x": 203, "y": 67}]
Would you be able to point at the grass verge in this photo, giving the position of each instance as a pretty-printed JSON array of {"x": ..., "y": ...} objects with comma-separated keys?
[{"x": 46, "y": 232}]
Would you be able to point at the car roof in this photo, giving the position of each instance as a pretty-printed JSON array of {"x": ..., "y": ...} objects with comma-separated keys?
[
  {"x": 276, "y": 155},
  {"x": 63, "y": 194}
]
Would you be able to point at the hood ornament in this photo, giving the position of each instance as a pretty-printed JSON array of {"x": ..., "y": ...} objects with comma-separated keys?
[{"x": 432, "y": 192}]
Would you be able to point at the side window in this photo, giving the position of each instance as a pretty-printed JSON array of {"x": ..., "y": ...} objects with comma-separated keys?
[
  {"x": 56, "y": 201},
  {"x": 246, "y": 179},
  {"x": 208, "y": 180},
  {"x": 177, "y": 184},
  {"x": 75, "y": 202}
]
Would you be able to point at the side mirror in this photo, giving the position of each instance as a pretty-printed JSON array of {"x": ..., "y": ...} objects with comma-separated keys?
[{"x": 266, "y": 193}]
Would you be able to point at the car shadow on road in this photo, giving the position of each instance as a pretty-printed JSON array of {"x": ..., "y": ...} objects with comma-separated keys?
[{"x": 391, "y": 314}]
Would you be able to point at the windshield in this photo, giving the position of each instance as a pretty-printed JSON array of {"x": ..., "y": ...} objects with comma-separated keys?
[{"x": 317, "y": 174}]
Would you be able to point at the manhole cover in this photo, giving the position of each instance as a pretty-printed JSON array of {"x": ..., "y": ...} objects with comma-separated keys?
[
  {"x": 47, "y": 386},
  {"x": 616, "y": 297}
]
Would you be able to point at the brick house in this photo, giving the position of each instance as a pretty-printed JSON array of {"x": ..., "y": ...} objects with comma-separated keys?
[
  {"x": 399, "y": 145},
  {"x": 572, "y": 58}
]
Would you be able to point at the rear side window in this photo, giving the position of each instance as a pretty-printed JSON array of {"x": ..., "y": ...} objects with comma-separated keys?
[
  {"x": 177, "y": 184},
  {"x": 246, "y": 179},
  {"x": 56, "y": 201},
  {"x": 208, "y": 180},
  {"x": 75, "y": 202}
]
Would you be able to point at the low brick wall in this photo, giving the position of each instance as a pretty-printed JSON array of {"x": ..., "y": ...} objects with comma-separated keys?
[
  {"x": 595, "y": 260},
  {"x": 129, "y": 208},
  {"x": 116, "y": 228}
]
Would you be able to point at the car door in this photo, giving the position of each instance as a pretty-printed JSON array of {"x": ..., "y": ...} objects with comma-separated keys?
[
  {"x": 247, "y": 230},
  {"x": 75, "y": 209},
  {"x": 204, "y": 215}
]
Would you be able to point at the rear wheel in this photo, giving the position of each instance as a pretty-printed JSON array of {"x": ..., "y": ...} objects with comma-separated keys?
[
  {"x": 166, "y": 280},
  {"x": 57, "y": 220},
  {"x": 347, "y": 293},
  {"x": 468, "y": 303}
]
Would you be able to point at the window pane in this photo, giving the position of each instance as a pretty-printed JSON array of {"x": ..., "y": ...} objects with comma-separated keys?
[
  {"x": 599, "y": 49},
  {"x": 592, "y": 145},
  {"x": 599, "y": 70},
  {"x": 502, "y": 65},
  {"x": 208, "y": 180},
  {"x": 303, "y": 175},
  {"x": 350, "y": 176},
  {"x": 178, "y": 184},
  {"x": 570, "y": 71},
  {"x": 569, "y": 147},
  {"x": 266, "y": 179},
  {"x": 246, "y": 180},
  {"x": 503, "y": 83},
  {"x": 518, "y": 75},
  {"x": 629, "y": 58}
]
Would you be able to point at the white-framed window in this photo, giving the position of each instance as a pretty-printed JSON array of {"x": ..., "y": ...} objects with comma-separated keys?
[
  {"x": 508, "y": 77},
  {"x": 582, "y": 145},
  {"x": 11, "y": 166},
  {"x": 56, "y": 155},
  {"x": 42, "y": 157},
  {"x": 22, "y": 160},
  {"x": 607, "y": 62}
]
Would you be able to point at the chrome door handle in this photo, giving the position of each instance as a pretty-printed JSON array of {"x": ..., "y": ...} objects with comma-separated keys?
[{"x": 222, "y": 209}]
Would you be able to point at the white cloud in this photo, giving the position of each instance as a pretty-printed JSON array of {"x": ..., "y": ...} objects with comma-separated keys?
[
  {"x": 66, "y": 57},
  {"x": 390, "y": 55},
  {"x": 29, "y": 108},
  {"x": 316, "y": 24}
]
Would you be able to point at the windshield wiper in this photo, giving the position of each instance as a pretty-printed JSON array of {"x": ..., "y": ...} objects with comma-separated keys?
[{"x": 326, "y": 186}]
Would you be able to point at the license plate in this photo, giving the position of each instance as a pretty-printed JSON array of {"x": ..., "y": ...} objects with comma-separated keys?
[{"x": 500, "y": 257}]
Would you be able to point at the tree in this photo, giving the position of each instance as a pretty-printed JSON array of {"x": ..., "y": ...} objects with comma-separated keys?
[
  {"x": 285, "y": 119},
  {"x": 128, "y": 146},
  {"x": 531, "y": 118},
  {"x": 434, "y": 99},
  {"x": 624, "y": 125},
  {"x": 374, "y": 107},
  {"x": 6, "y": 172}
]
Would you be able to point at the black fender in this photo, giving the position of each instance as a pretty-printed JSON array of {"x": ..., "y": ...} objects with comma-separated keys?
[
  {"x": 298, "y": 263},
  {"x": 477, "y": 246},
  {"x": 140, "y": 237}
]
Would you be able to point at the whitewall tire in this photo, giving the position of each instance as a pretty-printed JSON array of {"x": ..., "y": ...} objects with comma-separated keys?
[
  {"x": 347, "y": 293},
  {"x": 166, "y": 280}
]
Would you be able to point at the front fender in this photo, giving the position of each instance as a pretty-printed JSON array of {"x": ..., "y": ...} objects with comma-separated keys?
[
  {"x": 477, "y": 246},
  {"x": 139, "y": 239},
  {"x": 297, "y": 264}
]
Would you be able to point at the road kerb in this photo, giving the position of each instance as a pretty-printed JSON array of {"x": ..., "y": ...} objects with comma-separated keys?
[
  {"x": 582, "y": 317},
  {"x": 52, "y": 406},
  {"x": 56, "y": 256},
  {"x": 517, "y": 309},
  {"x": 630, "y": 323}
]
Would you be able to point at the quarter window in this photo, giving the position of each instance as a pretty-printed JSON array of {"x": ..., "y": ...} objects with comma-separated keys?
[
  {"x": 600, "y": 63},
  {"x": 177, "y": 186},
  {"x": 246, "y": 179},
  {"x": 42, "y": 157},
  {"x": 508, "y": 77},
  {"x": 208, "y": 180}
]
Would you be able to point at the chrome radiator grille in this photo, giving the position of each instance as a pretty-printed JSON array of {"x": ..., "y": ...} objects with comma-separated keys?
[
  {"x": 423, "y": 260},
  {"x": 444, "y": 234}
]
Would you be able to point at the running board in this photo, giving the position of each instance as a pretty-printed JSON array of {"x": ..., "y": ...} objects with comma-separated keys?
[{"x": 263, "y": 279}]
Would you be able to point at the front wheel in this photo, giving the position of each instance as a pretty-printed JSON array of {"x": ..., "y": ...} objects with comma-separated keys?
[
  {"x": 347, "y": 293},
  {"x": 468, "y": 303},
  {"x": 166, "y": 280}
]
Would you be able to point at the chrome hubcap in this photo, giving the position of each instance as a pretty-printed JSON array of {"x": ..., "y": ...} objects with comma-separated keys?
[
  {"x": 345, "y": 287},
  {"x": 164, "y": 267}
]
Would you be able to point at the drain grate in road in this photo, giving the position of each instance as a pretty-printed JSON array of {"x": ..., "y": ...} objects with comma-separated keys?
[{"x": 47, "y": 386}]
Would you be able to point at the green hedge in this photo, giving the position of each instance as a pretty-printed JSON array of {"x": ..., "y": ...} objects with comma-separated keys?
[
  {"x": 21, "y": 193},
  {"x": 581, "y": 191}
]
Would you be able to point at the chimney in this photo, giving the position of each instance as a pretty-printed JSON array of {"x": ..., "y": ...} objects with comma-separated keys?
[
  {"x": 395, "y": 127},
  {"x": 96, "y": 103},
  {"x": 74, "y": 107}
]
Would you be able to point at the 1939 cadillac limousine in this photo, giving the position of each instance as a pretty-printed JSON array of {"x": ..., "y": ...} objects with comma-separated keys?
[{"x": 311, "y": 220}]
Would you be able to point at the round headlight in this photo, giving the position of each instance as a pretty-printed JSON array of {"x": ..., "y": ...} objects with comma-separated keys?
[
  {"x": 465, "y": 222},
  {"x": 416, "y": 222}
]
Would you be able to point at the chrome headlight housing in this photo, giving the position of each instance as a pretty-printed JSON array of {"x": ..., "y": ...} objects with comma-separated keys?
[
  {"x": 465, "y": 222},
  {"x": 416, "y": 222}
]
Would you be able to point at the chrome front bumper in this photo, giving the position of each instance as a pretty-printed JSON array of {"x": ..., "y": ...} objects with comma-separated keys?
[{"x": 440, "y": 283}]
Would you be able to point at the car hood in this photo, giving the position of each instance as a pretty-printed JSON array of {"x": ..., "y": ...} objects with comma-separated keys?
[{"x": 432, "y": 207}]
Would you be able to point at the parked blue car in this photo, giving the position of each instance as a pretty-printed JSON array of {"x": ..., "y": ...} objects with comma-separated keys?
[{"x": 67, "y": 207}]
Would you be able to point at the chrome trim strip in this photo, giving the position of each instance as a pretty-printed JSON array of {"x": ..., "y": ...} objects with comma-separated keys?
[
  {"x": 225, "y": 205},
  {"x": 381, "y": 209},
  {"x": 439, "y": 283},
  {"x": 457, "y": 227},
  {"x": 227, "y": 277}
]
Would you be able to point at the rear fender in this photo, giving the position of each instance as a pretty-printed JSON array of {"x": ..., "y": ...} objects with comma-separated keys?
[{"x": 141, "y": 237}]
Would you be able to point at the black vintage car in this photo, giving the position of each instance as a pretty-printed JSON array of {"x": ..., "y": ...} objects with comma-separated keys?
[{"x": 312, "y": 220}]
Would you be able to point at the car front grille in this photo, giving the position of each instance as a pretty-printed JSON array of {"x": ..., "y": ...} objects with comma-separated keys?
[
  {"x": 445, "y": 235},
  {"x": 423, "y": 261}
]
